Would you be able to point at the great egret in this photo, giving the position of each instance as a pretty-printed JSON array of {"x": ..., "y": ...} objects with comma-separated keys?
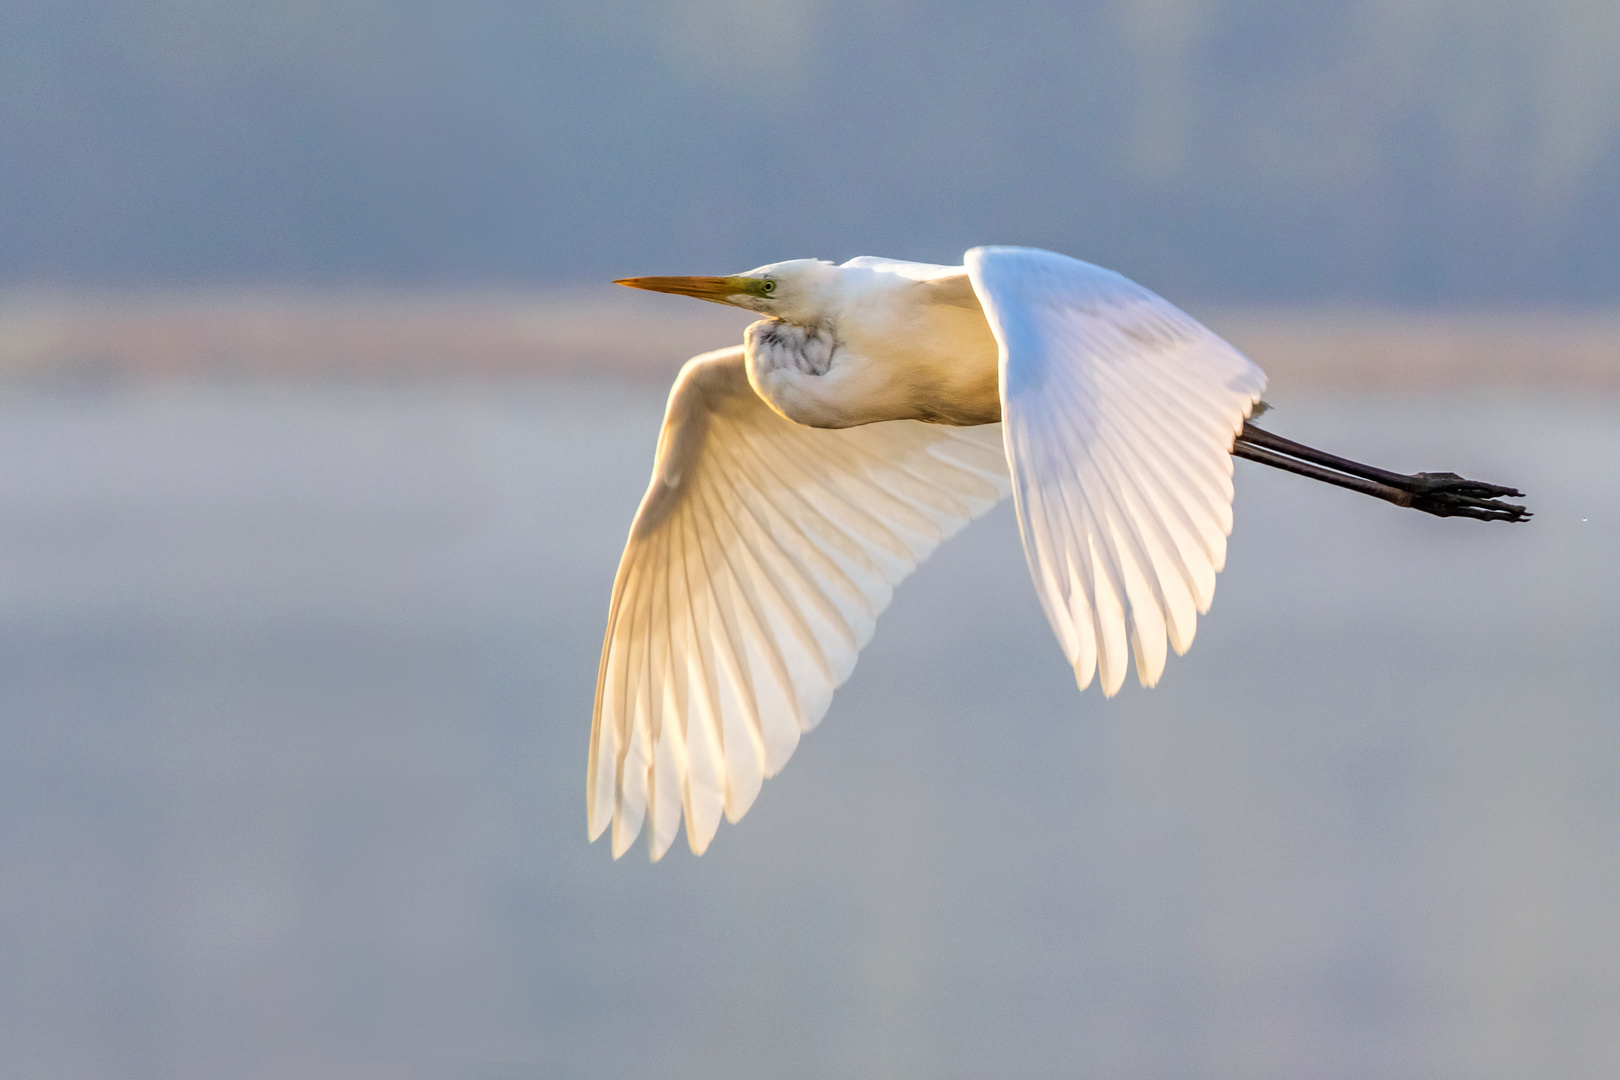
[{"x": 872, "y": 412}]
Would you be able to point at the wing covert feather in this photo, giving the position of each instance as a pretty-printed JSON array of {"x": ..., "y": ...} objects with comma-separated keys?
[
  {"x": 755, "y": 570},
  {"x": 1119, "y": 412}
]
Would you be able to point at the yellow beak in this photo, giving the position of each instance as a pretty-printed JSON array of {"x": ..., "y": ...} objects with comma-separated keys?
[{"x": 716, "y": 289}]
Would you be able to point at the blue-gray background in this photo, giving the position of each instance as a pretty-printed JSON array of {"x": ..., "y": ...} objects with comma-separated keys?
[
  {"x": 296, "y": 687},
  {"x": 1451, "y": 150},
  {"x": 296, "y": 672}
]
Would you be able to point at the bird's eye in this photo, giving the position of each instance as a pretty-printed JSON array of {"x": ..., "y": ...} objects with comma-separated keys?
[{"x": 768, "y": 287}]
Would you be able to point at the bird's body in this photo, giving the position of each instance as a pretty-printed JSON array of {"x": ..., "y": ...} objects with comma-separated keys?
[
  {"x": 911, "y": 343},
  {"x": 875, "y": 409}
]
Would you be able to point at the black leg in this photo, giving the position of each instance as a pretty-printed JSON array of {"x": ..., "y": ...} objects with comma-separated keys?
[{"x": 1441, "y": 494}]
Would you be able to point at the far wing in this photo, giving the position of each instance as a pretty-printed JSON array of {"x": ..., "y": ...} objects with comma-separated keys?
[
  {"x": 755, "y": 571},
  {"x": 1119, "y": 412}
]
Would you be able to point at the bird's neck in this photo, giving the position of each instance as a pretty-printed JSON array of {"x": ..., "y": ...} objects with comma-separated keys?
[
  {"x": 806, "y": 349},
  {"x": 928, "y": 362}
]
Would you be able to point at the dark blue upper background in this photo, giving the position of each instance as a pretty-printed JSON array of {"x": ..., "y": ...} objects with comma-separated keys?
[{"x": 1435, "y": 151}]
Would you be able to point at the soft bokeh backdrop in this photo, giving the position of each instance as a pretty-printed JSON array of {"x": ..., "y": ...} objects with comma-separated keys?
[
  {"x": 296, "y": 688},
  {"x": 1455, "y": 150},
  {"x": 319, "y": 438}
]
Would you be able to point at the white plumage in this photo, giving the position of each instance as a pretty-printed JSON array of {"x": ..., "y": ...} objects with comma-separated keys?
[
  {"x": 800, "y": 477},
  {"x": 1120, "y": 411}
]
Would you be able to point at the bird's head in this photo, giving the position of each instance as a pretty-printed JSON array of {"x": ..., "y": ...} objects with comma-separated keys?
[{"x": 797, "y": 291}]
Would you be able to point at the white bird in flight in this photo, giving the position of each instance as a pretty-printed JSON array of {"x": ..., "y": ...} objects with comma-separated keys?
[{"x": 875, "y": 409}]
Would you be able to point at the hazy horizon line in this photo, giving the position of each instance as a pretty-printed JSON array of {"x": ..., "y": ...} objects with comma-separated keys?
[{"x": 143, "y": 333}]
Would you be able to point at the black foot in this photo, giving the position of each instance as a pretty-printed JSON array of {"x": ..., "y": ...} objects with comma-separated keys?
[
  {"x": 1440, "y": 494},
  {"x": 1450, "y": 495}
]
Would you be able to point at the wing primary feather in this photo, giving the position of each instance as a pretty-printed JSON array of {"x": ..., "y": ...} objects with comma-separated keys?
[
  {"x": 728, "y": 601},
  {"x": 1211, "y": 472},
  {"x": 1119, "y": 414},
  {"x": 1099, "y": 596},
  {"x": 852, "y": 515},
  {"x": 1184, "y": 552},
  {"x": 742, "y": 606},
  {"x": 778, "y": 566},
  {"x": 645, "y": 730},
  {"x": 935, "y": 500},
  {"x": 1144, "y": 567},
  {"x": 1045, "y": 555},
  {"x": 1107, "y": 574},
  {"x": 824, "y": 570},
  {"x": 629, "y": 648},
  {"x": 756, "y": 566},
  {"x": 1175, "y": 424},
  {"x": 664, "y": 800},
  {"x": 635, "y": 752},
  {"x": 1069, "y": 566},
  {"x": 1151, "y": 577},
  {"x": 861, "y": 511},
  {"x": 599, "y": 779},
  {"x": 615, "y": 701},
  {"x": 704, "y": 789},
  {"x": 1212, "y": 508},
  {"x": 1155, "y": 496},
  {"x": 755, "y": 511},
  {"x": 748, "y": 584},
  {"x": 741, "y": 740},
  {"x": 1066, "y": 596}
]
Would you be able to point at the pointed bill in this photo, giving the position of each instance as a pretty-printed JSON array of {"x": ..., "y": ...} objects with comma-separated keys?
[{"x": 718, "y": 290}]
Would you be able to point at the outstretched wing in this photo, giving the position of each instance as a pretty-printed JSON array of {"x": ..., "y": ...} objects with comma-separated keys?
[
  {"x": 755, "y": 571},
  {"x": 1119, "y": 412}
]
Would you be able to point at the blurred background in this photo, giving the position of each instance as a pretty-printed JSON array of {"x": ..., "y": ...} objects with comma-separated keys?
[{"x": 320, "y": 433}]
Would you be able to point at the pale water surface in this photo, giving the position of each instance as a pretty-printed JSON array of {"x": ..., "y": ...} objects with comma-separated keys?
[{"x": 295, "y": 685}]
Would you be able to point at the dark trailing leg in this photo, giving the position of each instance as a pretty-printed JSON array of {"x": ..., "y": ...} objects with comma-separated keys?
[{"x": 1440, "y": 494}]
